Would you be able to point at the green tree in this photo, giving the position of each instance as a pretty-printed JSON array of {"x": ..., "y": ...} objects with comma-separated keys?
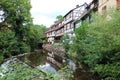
[
  {"x": 59, "y": 18},
  {"x": 98, "y": 45},
  {"x": 8, "y": 43},
  {"x": 35, "y": 35},
  {"x": 66, "y": 41},
  {"x": 17, "y": 14}
]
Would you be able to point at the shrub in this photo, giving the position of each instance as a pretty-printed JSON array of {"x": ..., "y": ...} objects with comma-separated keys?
[
  {"x": 8, "y": 43},
  {"x": 98, "y": 45}
]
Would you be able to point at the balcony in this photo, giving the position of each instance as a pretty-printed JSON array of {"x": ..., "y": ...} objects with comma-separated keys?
[
  {"x": 68, "y": 20},
  {"x": 60, "y": 34},
  {"x": 69, "y": 30}
]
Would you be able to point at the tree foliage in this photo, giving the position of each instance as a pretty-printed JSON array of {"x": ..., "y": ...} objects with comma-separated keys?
[
  {"x": 66, "y": 41},
  {"x": 35, "y": 35},
  {"x": 98, "y": 45},
  {"x": 19, "y": 71},
  {"x": 59, "y": 18},
  {"x": 7, "y": 43},
  {"x": 17, "y": 14},
  {"x": 17, "y": 32}
]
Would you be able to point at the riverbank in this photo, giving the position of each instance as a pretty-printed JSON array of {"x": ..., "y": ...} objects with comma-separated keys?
[
  {"x": 4, "y": 60},
  {"x": 38, "y": 60},
  {"x": 19, "y": 55},
  {"x": 80, "y": 71},
  {"x": 57, "y": 49}
]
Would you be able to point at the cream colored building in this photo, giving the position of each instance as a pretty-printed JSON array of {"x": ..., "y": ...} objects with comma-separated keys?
[{"x": 105, "y": 5}]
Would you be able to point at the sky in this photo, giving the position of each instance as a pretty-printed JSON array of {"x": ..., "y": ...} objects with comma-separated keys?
[{"x": 45, "y": 11}]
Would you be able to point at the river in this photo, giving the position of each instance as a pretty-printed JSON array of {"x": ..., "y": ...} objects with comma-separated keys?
[{"x": 45, "y": 61}]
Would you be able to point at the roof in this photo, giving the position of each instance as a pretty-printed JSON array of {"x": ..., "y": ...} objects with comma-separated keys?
[
  {"x": 85, "y": 13},
  {"x": 53, "y": 28},
  {"x": 82, "y": 16},
  {"x": 75, "y": 8}
]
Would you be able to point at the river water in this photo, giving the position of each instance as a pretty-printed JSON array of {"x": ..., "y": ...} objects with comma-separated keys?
[
  {"x": 47, "y": 61},
  {"x": 40, "y": 60}
]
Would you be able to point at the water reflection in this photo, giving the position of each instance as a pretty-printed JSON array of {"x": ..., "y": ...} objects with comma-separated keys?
[
  {"x": 48, "y": 61},
  {"x": 46, "y": 67},
  {"x": 34, "y": 59},
  {"x": 45, "y": 61}
]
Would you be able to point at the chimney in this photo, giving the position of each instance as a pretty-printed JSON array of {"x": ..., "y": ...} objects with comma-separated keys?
[{"x": 77, "y": 6}]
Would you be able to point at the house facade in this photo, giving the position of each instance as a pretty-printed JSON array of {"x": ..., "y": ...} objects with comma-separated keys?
[
  {"x": 105, "y": 5},
  {"x": 92, "y": 7},
  {"x": 59, "y": 31},
  {"x": 71, "y": 16},
  {"x": 74, "y": 18},
  {"x": 50, "y": 33}
]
